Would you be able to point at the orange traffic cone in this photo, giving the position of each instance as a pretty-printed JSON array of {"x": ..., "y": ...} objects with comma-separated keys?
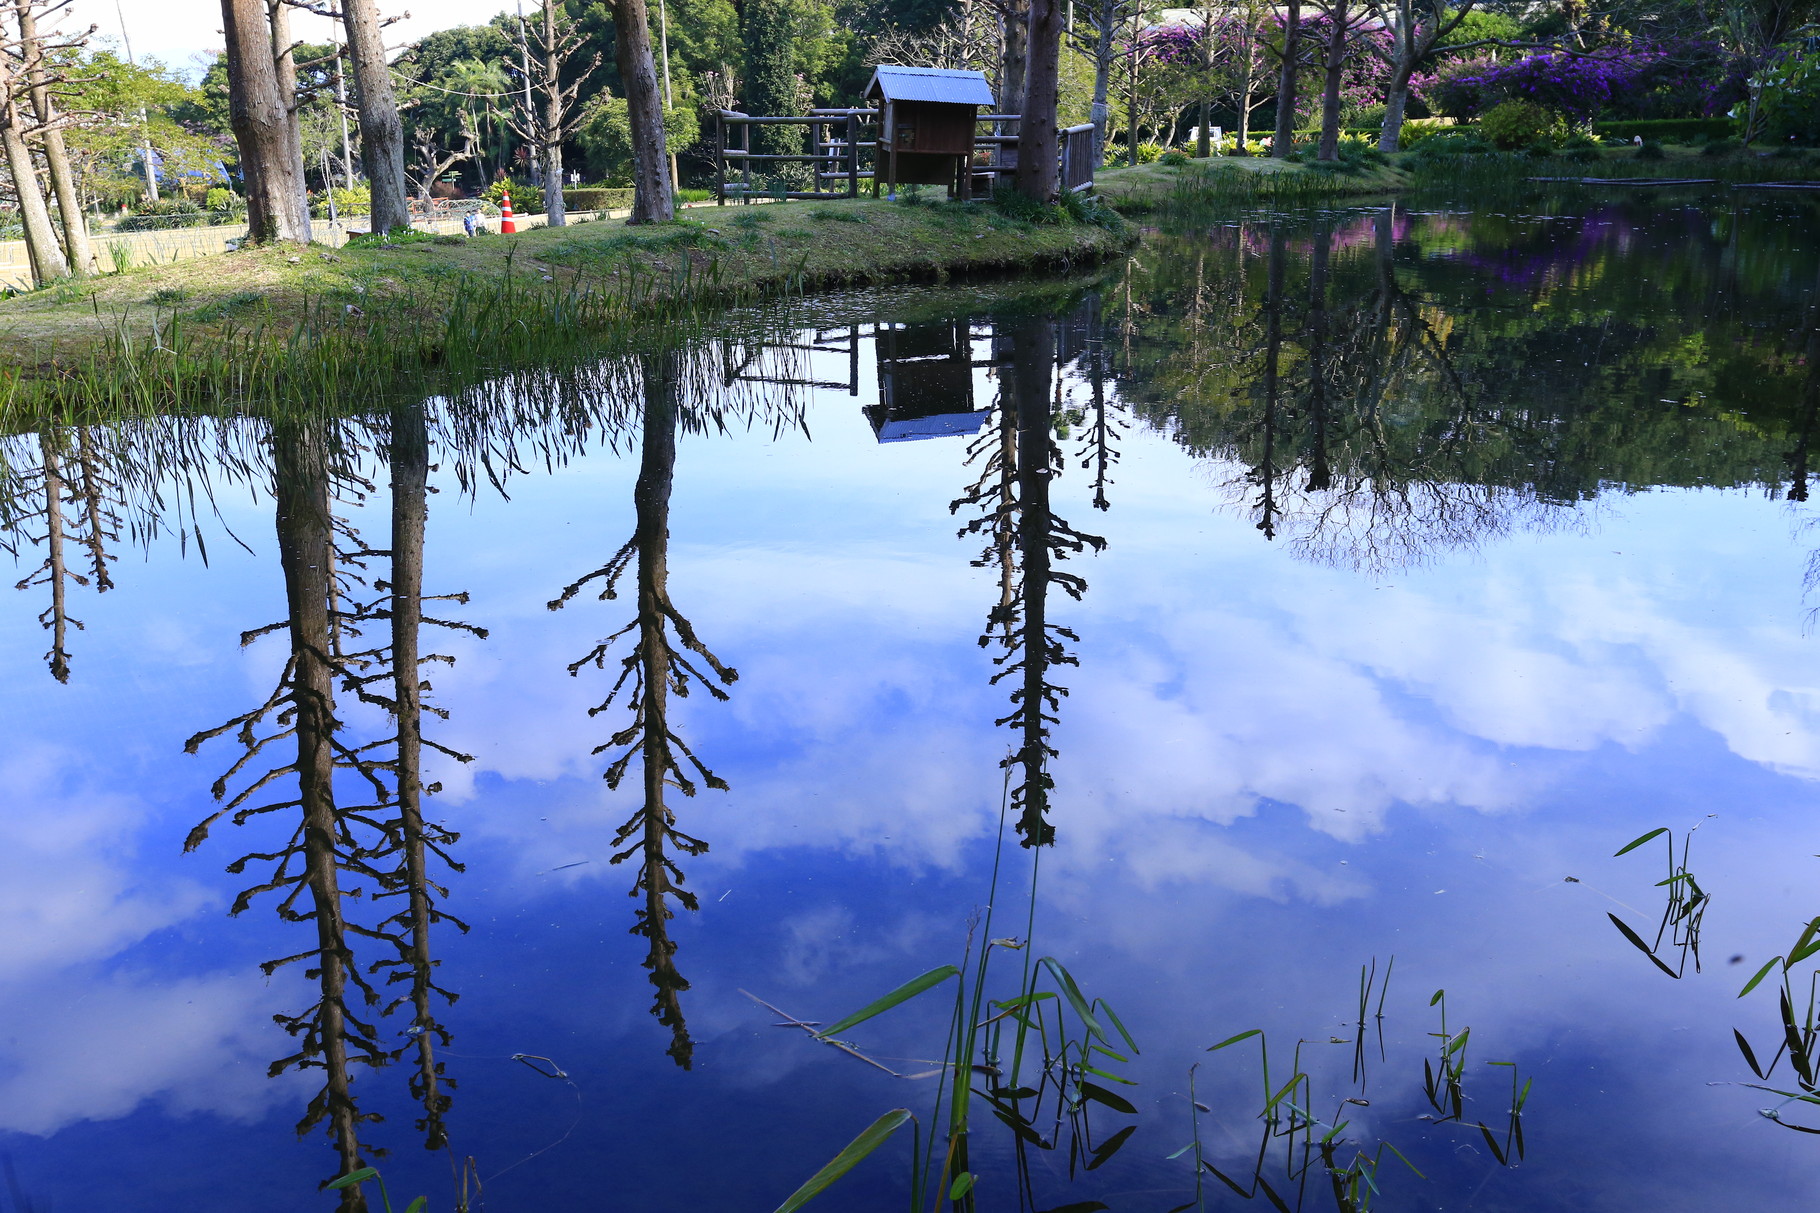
[{"x": 506, "y": 222}]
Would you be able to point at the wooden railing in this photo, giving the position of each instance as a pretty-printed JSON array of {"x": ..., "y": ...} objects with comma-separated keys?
[
  {"x": 838, "y": 148},
  {"x": 835, "y": 158}
]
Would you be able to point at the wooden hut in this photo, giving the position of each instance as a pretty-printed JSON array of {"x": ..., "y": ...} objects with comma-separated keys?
[{"x": 926, "y": 124}]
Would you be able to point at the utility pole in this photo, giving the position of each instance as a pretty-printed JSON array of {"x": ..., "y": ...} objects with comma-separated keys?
[
  {"x": 524, "y": 51},
  {"x": 663, "y": 43},
  {"x": 151, "y": 174}
]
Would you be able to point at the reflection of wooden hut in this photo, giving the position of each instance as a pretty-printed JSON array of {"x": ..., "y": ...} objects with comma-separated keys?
[
  {"x": 926, "y": 124},
  {"x": 925, "y": 380}
]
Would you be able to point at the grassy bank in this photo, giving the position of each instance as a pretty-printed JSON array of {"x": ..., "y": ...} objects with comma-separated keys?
[
  {"x": 1150, "y": 187},
  {"x": 1260, "y": 180},
  {"x": 312, "y": 320}
]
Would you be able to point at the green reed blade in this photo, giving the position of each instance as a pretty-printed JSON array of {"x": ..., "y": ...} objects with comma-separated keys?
[
  {"x": 904, "y": 993},
  {"x": 1634, "y": 843},
  {"x": 1233, "y": 1040},
  {"x": 847, "y": 1159},
  {"x": 352, "y": 1177},
  {"x": 1761, "y": 974},
  {"x": 1072, "y": 993}
]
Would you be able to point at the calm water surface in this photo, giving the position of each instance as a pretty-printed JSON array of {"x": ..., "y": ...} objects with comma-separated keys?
[{"x": 1333, "y": 596}]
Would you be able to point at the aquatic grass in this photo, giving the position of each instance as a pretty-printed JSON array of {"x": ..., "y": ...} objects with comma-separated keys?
[
  {"x": 1042, "y": 1075},
  {"x": 1683, "y": 912},
  {"x": 1295, "y": 1144}
]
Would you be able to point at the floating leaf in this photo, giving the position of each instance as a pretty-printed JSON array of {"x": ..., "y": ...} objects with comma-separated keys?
[
  {"x": 353, "y": 1177},
  {"x": 847, "y": 1159},
  {"x": 904, "y": 993}
]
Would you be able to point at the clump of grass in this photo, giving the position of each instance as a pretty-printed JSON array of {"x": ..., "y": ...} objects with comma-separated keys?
[
  {"x": 751, "y": 216},
  {"x": 834, "y": 214},
  {"x": 170, "y": 296},
  {"x": 229, "y": 305}
]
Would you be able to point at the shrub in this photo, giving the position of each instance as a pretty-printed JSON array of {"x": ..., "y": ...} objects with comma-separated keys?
[
  {"x": 1150, "y": 153},
  {"x": 1447, "y": 143},
  {"x": 1651, "y": 151},
  {"x": 1173, "y": 158},
  {"x": 222, "y": 199},
  {"x": 357, "y": 201},
  {"x": 596, "y": 198},
  {"x": 1520, "y": 125}
]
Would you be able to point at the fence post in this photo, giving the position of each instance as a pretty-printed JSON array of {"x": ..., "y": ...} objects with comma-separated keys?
[
  {"x": 720, "y": 159},
  {"x": 852, "y": 155}
]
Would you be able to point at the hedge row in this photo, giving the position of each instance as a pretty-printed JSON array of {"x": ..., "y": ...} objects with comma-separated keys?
[
  {"x": 597, "y": 198},
  {"x": 1668, "y": 128}
]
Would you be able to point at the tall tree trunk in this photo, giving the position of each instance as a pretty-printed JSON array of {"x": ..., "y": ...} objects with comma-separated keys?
[
  {"x": 41, "y": 244},
  {"x": 554, "y": 209},
  {"x": 284, "y": 67},
  {"x": 1248, "y": 87},
  {"x": 1102, "y": 83},
  {"x": 1038, "y": 146},
  {"x": 381, "y": 132},
  {"x": 56, "y": 155},
  {"x": 652, "y": 198},
  {"x": 1282, "y": 143},
  {"x": 1333, "y": 59},
  {"x": 1396, "y": 103},
  {"x": 1014, "y": 55},
  {"x": 259, "y": 107}
]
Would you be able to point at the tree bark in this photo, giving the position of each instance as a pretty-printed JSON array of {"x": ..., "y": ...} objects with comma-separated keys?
[
  {"x": 1038, "y": 151},
  {"x": 652, "y": 198},
  {"x": 284, "y": 68},
  {"x": 1396, "y": 102},
  {"x": 554, "y": 208},
  {"x": 41, "y": 245},
  {"x": 1014, "y": 58},
  {"x": 56, "y": 155},
  {"x": 1282, "y": 143},
  {"x": 1102, "y": 84},
  {"x": 264, "y": 124},
  {"x": 1333, "y": 59},
  {"x": 381, "y": 132}
]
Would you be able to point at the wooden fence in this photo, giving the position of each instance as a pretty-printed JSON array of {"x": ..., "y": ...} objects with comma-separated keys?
[{"x": 839, "y": 147}]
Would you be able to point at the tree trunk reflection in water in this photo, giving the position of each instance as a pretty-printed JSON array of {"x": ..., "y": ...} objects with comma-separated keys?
[
  {"x": 654, "y": 668},
  {"x": 391, "y": 845},
  {"x": 58, "y": 481},
  {"x": 1020, "y": 458}
]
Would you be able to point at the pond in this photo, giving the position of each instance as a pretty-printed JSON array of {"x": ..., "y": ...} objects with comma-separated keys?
[{"x": 1332, "y": 701}]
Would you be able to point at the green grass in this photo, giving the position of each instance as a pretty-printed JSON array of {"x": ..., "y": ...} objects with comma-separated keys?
[
  {"x": 1237, "y": 180},
  {"x": 258, "y": 327}
]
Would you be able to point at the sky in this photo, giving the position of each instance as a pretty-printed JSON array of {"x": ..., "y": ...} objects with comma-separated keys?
[{"x": 178, "y": 31}]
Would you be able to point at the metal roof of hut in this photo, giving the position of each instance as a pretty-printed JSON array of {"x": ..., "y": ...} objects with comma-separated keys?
[{"x": 942, "y": 84}]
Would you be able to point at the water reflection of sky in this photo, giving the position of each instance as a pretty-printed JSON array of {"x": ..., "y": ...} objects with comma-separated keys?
[{"x": 1271, "y": 772}]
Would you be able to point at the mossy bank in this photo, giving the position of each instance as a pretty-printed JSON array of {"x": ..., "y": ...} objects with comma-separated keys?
[{"x": 239, "y": 319}]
